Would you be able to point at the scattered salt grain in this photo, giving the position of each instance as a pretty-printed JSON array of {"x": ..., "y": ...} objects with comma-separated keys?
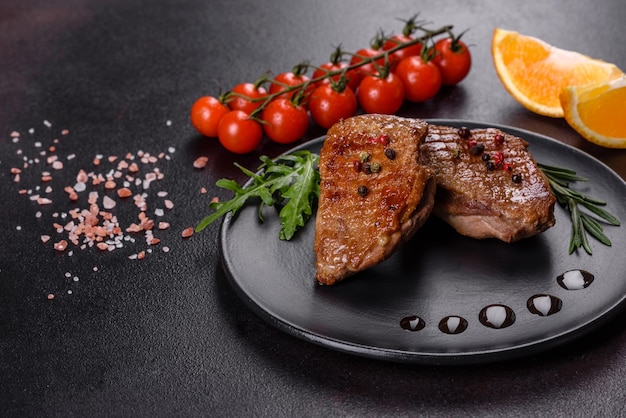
[
  {"x": 201, "y": 162},
  {"x": 108, "y": 203},
  {"x": 124, "y": 192},
  {"x": 44, "y": 201},
  {"x": 61, "y": 245}
]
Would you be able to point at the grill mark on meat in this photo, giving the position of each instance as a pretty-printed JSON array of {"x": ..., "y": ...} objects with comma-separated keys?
[
  {"x": 484, "y": 203},
  {"x": 356, "y": 231}
]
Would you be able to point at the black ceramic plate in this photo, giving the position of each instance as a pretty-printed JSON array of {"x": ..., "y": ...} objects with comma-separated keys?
[{"x": 442, "y": 298}]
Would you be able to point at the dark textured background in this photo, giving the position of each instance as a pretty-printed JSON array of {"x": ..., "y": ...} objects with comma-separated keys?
[{"x": 167, "y": 336}]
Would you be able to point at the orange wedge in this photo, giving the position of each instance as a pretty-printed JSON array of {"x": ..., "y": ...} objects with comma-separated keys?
[
  {"x": 534, "y": 72},
  {"x": 598, "y": 112}
]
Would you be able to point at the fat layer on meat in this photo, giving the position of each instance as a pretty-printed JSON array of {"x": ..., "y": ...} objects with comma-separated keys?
[
  {"x": 364, "y": 214},
  {"x": 510, "y": 199}
]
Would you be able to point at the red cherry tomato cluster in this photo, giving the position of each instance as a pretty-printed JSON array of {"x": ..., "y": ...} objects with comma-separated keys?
[{"x": 378, "y": 78}]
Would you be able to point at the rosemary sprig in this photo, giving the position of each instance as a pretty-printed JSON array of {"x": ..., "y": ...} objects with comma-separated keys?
[{"x": 582, "y": 222}]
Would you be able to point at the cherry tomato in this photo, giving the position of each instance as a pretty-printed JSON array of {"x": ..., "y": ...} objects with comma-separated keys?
[
  {"x": 370, "y": 68},
  {"x": 453, "y": 59},
  {"x": 409, "y": 51},
  {"x": 421, "y": 78},
  {"x": 285, "y": 122},
  {"x": 249, "y": 90},
  {"x": 381, "y": 94},
  {"x": 329, "y": 106},
  {"x": 351, "y": 76},
  {"x": 206, "y": 113},
  {"x": 284, "y": 80},
  {"x": 238, "y": 133}
]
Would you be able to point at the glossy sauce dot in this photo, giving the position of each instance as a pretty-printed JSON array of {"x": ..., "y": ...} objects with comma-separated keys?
[
  {"x": 575, "y": 279},
  {"x": 453, "y": 325},
  {"x": 412, "y": 323},
  {"x": 544, "y": 305},
  {"x": 497, "y": 316}
]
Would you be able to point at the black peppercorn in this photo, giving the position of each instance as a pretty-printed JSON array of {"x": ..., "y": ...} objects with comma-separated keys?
[
  {"x": 362, "y": 191},
  {"x": 485, "y": 157},
  {"x": 490, "y": 166},
  {"x": 477, "y": 149},
  {"x": 464, "y": 132},
  {"x": 517, "y": 178},
  {"x": 390, "y": 153}
]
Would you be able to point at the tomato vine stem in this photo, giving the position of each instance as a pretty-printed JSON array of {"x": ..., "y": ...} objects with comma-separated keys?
[{"x": 428, "y": 35}]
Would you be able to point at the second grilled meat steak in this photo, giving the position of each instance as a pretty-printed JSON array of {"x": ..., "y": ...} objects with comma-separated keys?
[
  {"x": 488, "y": 184},
  {"x": 374, "y": 194}
]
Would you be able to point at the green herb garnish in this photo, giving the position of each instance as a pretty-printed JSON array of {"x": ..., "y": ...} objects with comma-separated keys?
[
  {"x": 582, "y": 222},
  {"x": 291, "y": 181}
]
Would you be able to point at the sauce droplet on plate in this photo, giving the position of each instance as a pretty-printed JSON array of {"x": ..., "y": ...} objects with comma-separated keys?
[
  {"x": 544, "y": 305},
  {"x": 412, "y": 323},
  {"x": 575, "y": 279},
  {"x": 453, "y": 325},
  {"x": 497, "y": 316}
]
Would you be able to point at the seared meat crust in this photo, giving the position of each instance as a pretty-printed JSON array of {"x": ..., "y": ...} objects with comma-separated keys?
[
  {"x": 364, "y": 213},
  {"x": 509, "y": 200}
]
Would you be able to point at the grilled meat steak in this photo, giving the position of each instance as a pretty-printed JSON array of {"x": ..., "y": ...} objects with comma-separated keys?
[
  {"x": 488, "y": 184},
  {"x": 374, "y": 194}
]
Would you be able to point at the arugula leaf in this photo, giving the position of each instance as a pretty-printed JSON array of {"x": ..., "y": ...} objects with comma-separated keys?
[{"x": 291, "y": 181}]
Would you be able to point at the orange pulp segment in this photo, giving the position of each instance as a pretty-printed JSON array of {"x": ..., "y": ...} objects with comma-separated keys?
[{"x": 598, "y": 111}]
